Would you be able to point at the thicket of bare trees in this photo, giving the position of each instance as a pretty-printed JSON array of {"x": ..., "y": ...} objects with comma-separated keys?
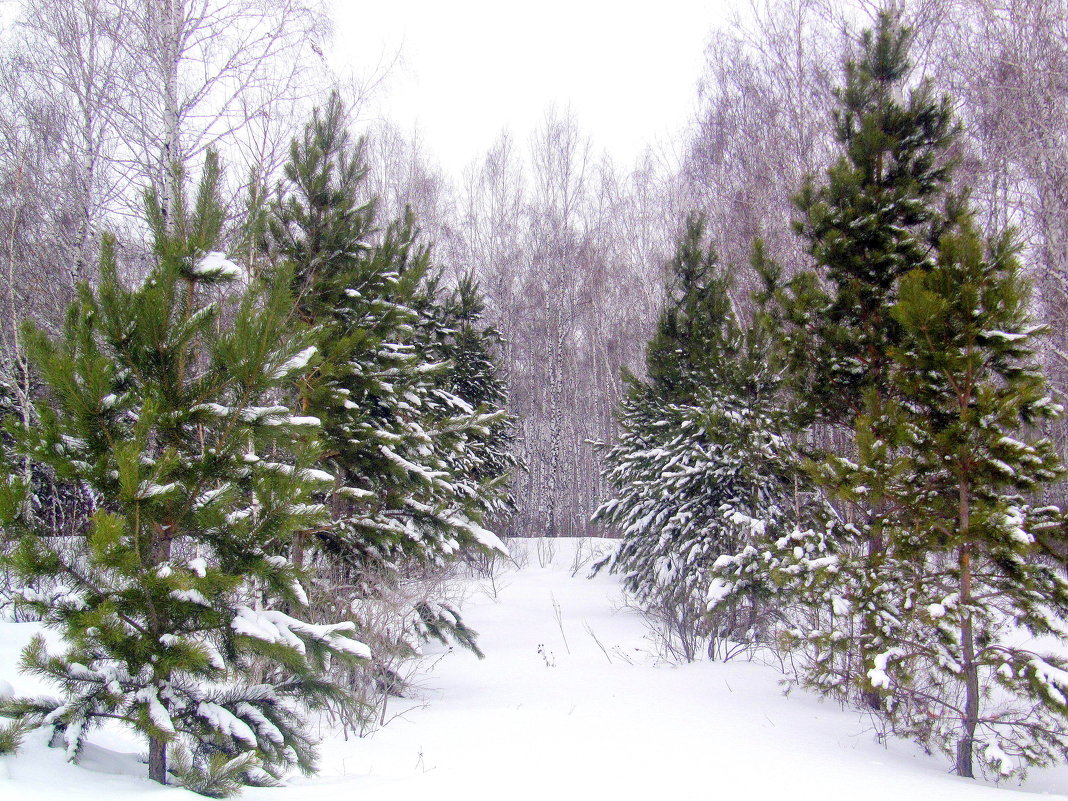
[
  {"x": 569, "y": 253},
  {"x": 567, "y": 248},
  {"x": 125, "y": 89},
  {"x": 765, "y": 101}
]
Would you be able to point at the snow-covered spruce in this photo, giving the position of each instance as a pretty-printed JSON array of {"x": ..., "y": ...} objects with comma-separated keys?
[
  {"x": 703, "y": 470},
  {"x": 470, "y": 392},
  {"x": 418, "y": 463},
  {"x": 162, "y": 415}
]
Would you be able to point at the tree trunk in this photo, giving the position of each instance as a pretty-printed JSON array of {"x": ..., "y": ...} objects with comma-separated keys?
[
  {"x": 869, "y": 696},
  {"x": 969, "y": 670},
  {"x": 296, "y": 551},
  {"x": 157, "y": 760},
  {"x": 171, "y": 155}
]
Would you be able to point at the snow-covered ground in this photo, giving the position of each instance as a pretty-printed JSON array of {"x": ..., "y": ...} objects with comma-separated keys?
[{"x": 571, "y": 702}]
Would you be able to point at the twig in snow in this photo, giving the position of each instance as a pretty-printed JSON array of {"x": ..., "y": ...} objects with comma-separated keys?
[
  {"x": 589, "y": 630},
  {"x": 560, "y": 621}
]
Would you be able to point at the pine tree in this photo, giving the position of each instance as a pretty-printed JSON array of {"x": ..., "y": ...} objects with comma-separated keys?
[
  {"x": 170, "y": 600},
  {"x": 453, "y": 331},
  {"x": 914, "y": 333},
  {"x": 961, "y": 674},
  {"x": 701, "y": 467},
  {"x": 411, "y": 493},
  {"x": 880, "y": 213},
  {"x": 372, "y": 387}
]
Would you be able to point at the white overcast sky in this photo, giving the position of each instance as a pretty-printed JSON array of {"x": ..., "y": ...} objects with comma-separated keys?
[{"x": 469, "y": 68}]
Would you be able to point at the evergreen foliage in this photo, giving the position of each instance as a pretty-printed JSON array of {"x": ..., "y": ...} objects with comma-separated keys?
[
  {"x": 390, "y": 429},
  {"x": 974, "y": 573},
  {"x": 170, "y": 600},
  {"x": 61, "y": 506},
  {"x": 453, "y": 332},
  {"x": 911, "y": 333},
  {"x": 418, "y": 465},
  {"x": 702, "y": 466},
  {"x": 917, "y": 580},
  {"x": 879, "y": 214}
]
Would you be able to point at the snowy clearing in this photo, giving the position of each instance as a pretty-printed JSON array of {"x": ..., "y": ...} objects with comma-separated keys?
[{"x": 571, "y": 702}]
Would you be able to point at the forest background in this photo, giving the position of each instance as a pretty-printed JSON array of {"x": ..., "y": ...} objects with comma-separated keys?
[{"x": 567, "y": 245}]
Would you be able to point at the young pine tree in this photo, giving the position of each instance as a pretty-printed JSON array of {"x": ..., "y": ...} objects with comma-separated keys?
[
  {"x": 371, "y": 385},
  {"x": 403, "y": 447},
  {"x": 169, "y": 600},
  {"x": 914, "y": 332},
  {"x": 962, "y": 673},
  {"x": 700, "y": 468},
  {"x": 880, "y": 213}
]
